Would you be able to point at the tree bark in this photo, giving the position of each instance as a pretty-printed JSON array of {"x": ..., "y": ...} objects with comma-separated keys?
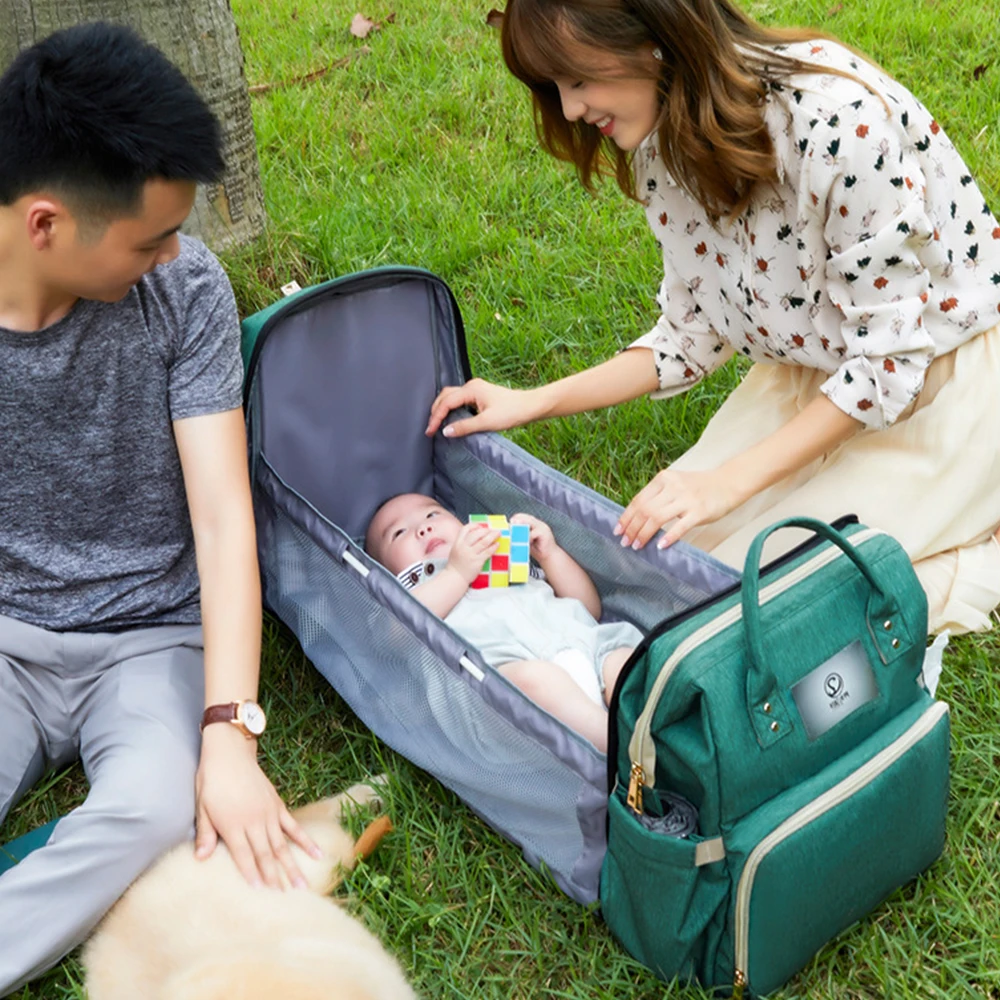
[{"x": 200, "y": 37}]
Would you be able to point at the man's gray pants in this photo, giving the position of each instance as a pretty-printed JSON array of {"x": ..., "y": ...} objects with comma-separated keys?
[{"x": 128, "y": 706}]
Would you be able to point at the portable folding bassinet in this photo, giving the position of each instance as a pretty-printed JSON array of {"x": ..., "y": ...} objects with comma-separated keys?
[{"x": 340, "y": 380}]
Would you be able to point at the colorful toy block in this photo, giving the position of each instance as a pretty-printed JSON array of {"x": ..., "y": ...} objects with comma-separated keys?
[{"x": 511, "y": 561}]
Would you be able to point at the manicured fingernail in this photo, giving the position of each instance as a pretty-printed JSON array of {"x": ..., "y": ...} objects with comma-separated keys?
[
  {"x": 636, "y": 544},
  {"x": 448, "y": 431},
  {"x": 300, "y": 883},
  {"x": 662, "y": 543},
  {"x": 316, "y": 853},
  {"x": 617, "y": 530},
  {"x": 624, "y": 542},
  {"x": 256, "y": 884}
]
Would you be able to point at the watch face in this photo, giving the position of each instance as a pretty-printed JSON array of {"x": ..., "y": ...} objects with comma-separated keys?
[{"x": 252, "y": 716}]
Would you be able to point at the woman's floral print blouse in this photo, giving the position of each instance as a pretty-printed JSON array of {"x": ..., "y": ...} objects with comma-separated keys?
[{"x": 873, "y": 253}]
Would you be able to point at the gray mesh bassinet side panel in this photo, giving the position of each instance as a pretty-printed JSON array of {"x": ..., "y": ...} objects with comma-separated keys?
[{"x": 478, "y": 737}]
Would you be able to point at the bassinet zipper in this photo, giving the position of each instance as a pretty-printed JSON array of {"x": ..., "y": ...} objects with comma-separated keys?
[
  {"x": 642, "y": 751},
  {"x": 840, "y": 792}
]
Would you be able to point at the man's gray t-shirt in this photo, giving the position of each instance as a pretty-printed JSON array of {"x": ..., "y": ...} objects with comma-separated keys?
[{"x": 95, "y": 533}]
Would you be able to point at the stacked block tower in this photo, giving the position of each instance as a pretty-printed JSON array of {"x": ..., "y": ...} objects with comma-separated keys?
[{"x": 510, "y": 563}]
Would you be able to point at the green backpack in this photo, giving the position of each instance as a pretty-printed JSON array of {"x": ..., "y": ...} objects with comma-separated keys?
[{"x": 788, "y": 715}]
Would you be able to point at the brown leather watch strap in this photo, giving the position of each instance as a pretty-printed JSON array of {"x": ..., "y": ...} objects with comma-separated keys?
[{"x": 220, "y": 713}]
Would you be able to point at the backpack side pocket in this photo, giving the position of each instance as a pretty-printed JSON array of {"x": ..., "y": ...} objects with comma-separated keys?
[{"x": 655, "y": 897}]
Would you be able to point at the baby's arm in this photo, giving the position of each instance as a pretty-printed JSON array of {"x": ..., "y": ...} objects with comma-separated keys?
[
  {"x": 474, "y": 544},
  {"x": 564, "y": 574}
]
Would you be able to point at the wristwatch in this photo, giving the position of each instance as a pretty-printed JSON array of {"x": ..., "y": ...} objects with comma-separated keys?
[{"x": 247, "y": 716}]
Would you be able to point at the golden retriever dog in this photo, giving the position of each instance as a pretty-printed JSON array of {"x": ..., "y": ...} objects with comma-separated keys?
[{"x": 195, "y": 930}]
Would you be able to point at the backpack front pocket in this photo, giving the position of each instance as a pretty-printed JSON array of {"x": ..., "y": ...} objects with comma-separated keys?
[{"x": 819, "y": 857}]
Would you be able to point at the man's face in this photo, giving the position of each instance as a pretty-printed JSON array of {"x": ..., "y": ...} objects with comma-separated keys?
[{"x": 104, "y": 265}]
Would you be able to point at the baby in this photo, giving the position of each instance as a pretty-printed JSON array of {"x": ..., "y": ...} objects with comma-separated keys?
[{"x": 543, "y": 636}]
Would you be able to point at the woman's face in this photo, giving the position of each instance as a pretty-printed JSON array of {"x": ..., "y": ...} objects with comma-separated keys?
[{"x": 611, "y": 98}]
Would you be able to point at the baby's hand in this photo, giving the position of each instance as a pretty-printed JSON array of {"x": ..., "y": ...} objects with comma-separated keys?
[
  {"x": 474, "y": 544},
  {"x": 543, "y": 542}
]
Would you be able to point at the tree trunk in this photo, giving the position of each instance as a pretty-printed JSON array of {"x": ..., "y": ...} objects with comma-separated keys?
[{"x": 200, "y": 37}]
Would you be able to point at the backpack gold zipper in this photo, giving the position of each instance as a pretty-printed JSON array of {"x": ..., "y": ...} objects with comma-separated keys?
[{"x": 635, "y": 780}]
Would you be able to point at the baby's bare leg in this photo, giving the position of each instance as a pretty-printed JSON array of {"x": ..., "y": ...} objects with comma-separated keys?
[
  {"x": 551, "y": 688},
  {"x": 612, "y": 667}
]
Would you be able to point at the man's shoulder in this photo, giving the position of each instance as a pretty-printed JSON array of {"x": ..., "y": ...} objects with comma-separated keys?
[
  {"x": 192, "y": 270},
  {"x": 186, "y": 296}
]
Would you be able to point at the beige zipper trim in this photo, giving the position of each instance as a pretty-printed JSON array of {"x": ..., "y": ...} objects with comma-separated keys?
[
  {"x": 832, "y": 797},
  {"x": 641, "y": 748}
]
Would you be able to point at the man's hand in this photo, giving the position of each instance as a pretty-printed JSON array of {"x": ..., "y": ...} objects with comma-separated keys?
[{"x": 235, "y": 802}]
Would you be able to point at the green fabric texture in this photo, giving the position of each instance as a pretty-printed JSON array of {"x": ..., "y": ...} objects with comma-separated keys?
[
  {"x": 17, "y": 850},
  {"x": 818, "y": 827}
]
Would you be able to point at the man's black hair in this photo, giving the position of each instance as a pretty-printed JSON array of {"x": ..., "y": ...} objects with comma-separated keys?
[{"x": 93, "y": 113}]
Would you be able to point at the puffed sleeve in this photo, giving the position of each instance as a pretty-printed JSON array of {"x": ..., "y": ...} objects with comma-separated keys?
[
  {"x": 870, "y": 190},
  {"x": 685, "y": 345}
]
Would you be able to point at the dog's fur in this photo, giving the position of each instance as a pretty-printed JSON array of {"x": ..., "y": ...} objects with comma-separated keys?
[{"x": 195, "y": 930}]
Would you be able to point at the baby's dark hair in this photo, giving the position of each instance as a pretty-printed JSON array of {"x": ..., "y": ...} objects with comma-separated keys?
[{"x": 94, "y": 112}]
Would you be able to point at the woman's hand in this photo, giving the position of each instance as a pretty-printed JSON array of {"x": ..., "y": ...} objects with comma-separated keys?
[
  {"x": 235, "y": 802},
  {"x": 625, "y": 376},
  {"x": 474, "y": 544},
  {"x": 685, "y": 498},
  {"x": 499, "y": 408}
]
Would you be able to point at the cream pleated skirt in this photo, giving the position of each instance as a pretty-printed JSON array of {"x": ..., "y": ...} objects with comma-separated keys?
[{"x": 932, "y": 479}]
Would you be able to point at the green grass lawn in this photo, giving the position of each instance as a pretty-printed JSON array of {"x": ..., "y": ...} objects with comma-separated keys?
[{"x": 419, "y": 150}]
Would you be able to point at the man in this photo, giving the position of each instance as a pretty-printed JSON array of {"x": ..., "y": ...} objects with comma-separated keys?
[{"x": 126, "y": 527}]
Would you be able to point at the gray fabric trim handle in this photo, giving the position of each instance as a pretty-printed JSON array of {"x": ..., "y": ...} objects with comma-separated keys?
[{"x": 709, "y": 851}]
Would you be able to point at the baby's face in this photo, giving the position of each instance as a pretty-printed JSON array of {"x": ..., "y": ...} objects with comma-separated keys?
[{"x": 411, "y": 528}]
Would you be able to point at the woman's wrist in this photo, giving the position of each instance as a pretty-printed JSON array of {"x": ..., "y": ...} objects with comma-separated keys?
[
  {"x": 541, "y": 402},
  {"x": 627, "y": 375},
  {"x": 742, "y": 479}
]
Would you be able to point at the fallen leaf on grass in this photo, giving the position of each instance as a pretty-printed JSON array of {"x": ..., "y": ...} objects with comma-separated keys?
[
  {"x": 835, "y": 9},
  {"x": 361, "y": 27},
  {"x": 979, "y": 71},
  {"x": 515, "y": 301},
  {"x": 494, "y": 18}
]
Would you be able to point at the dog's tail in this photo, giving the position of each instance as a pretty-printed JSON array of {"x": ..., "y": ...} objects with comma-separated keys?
[{"x": 371, "y": 836}]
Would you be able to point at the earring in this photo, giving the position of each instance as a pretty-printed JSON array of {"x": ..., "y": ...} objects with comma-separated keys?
[{"x": 657, "y": 53}]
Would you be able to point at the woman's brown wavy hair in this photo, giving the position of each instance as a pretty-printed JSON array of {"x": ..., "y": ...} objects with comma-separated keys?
[{"x": 712, "y": 81}]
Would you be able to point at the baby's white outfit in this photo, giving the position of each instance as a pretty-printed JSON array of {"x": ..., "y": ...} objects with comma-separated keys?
[{"x": 528, "y": 621}]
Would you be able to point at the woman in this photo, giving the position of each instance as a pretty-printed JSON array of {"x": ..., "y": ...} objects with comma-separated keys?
[{"x": 814, "y": 217}]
